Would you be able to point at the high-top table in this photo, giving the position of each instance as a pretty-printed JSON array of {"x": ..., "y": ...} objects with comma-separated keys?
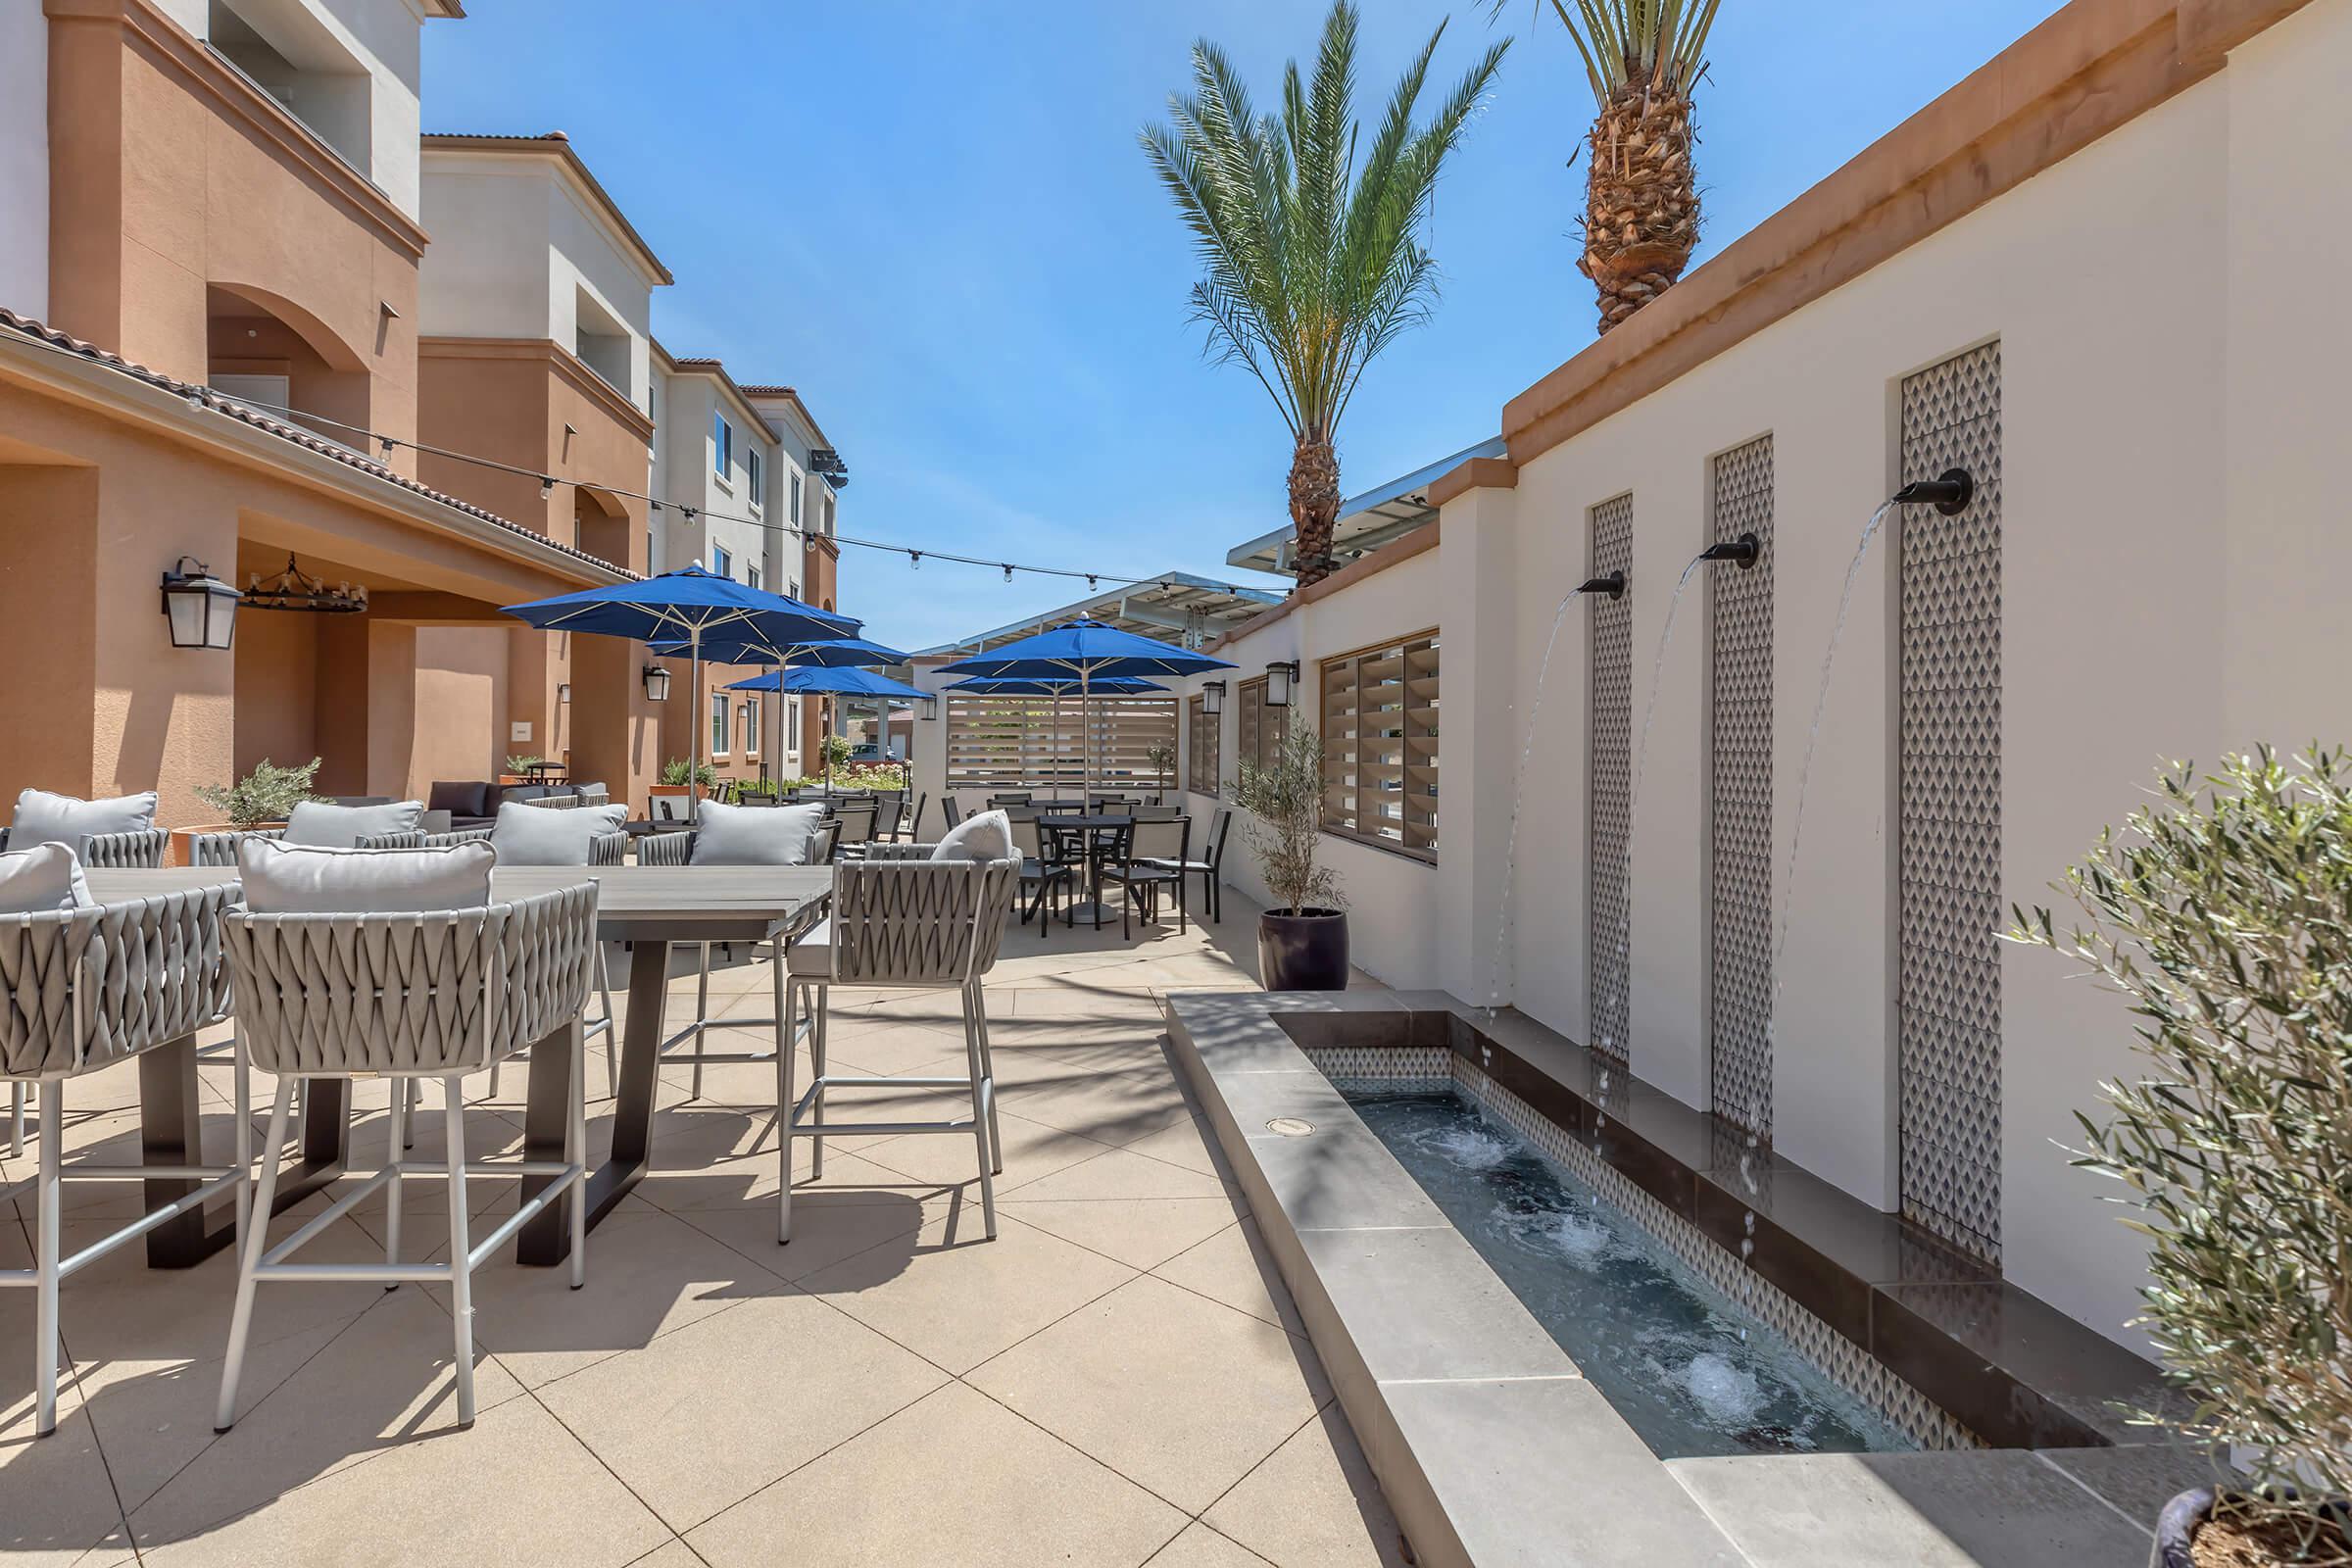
[{"x": 648, "y": 907}]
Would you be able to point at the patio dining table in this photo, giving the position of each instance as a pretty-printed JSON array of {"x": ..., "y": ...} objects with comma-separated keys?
[
  {"x": 650, "y": 908},
  {"x": 1090, "y": 826}
]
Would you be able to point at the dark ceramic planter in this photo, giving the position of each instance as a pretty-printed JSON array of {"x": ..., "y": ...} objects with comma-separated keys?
[
  {"x": 1303, "y": 952},
  {"x": 2177, "y": 1526}
]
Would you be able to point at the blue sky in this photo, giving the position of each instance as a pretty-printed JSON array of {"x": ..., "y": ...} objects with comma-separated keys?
[{"x": 935, "y": 221}]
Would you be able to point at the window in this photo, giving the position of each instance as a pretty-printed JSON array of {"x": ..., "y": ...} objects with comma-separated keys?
[
  {"x": 752, "y": 468},
  {"x": 795, "y": 500},
  {"x": 723, "y": 564},
  {"x": 826, "y": 526},
  {"x": 791, "y": 726},
  {"x": 719, "y": 736},
  {"x": 1025, "y": 741},
  {"x": 750, "y": 577},
  {"x": 1200, "y": 741},
  {"x": 1380, "y": 745},
  {"x": 794, "y": 590},
  {"x": 751, "y": 727},
  {"x": 1263, "y": 729},
  {"x": 723, "y": 446}
]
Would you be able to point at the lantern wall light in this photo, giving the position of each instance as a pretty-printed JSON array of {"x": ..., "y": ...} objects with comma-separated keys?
[
  {"x": 1279, "y": 680},
  {"x": 1212, "y": 698},
  {"x": 930, "y": 706},
  {"x": 657, "y": 684},
  {"x": 202, "y": 609}
]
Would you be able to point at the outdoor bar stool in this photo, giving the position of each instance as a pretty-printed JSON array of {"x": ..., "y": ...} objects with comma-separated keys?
[
  {"x": 435, "y": 994},
  {"x": 81, "y": 989},
  {"x": 899, "y": 920},
  {"x": 678, "y": 849},
  {"x": 581, "y": 842},
  {"x": 1150, "y": 855}
]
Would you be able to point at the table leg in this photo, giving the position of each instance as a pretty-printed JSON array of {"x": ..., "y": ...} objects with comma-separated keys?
[
  {"x": 547, "y": 1240},
  {"x": 169, "y": 1108}
]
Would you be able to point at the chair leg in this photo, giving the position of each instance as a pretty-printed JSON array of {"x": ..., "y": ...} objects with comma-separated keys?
[
  {"x": 817, "y": 1076},
  {"x": 1184, "y": 907},
  {"x": 988, "y": 1070},
  {"x": 604, "y": 987},
  {"x": 701, "y": 1014},
  {"x": 791, "y": 1015},
  {"x": 575, "y": 1152},
  {"x": 461, "y": 1246},
  {"x": 401, "y": 1088},
  {"x": 249, "y": 1258},
  {"x": 16, "y": 1120},
  {"x": 982, "y": 1102},
  {"x": 46, "y": 1226},
  {"x": 1126, "y": 908}
]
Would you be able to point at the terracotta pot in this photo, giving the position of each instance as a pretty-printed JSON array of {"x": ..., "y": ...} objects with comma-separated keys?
[{"x": 1302, "y": 951}]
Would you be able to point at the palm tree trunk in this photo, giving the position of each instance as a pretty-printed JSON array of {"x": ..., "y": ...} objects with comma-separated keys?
[
  {"x": 1640, "y": 200},
  {"x": 1314, "y": 506}
]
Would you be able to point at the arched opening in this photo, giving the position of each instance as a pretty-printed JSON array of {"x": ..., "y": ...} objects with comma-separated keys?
[
  {"x": 264, "y": 349},
  {"x": 602, "y": 527}
]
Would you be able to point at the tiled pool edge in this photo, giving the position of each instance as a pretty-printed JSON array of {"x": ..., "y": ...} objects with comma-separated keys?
[{"x": 1537, "y": 1467}]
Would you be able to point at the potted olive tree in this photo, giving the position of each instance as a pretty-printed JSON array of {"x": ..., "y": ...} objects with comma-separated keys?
[
  {"x": 2224, "y": 914},
  {"x": 1303, "y": 940},
  {"x": 263, "y": 798}
]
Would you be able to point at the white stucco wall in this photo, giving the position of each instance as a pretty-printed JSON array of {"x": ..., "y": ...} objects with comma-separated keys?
[{"x": 24, "y": 159}]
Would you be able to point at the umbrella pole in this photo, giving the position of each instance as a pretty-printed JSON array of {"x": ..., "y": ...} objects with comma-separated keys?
[{"x": 694, "y": 748}]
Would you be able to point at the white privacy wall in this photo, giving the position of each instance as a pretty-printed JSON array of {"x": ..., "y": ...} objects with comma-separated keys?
[{"x": 2172, "y": 564}]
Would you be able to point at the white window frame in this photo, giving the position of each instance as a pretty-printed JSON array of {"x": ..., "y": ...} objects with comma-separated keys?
[
  {"x": 722, "y": 449},
  {"x": 795, "y": 497},
  {"x": 751, "y": 727},
  {"x": 722, "y": 560},
  {"x": 722, "y": 725},
  {"x": 752, "y": 467}
]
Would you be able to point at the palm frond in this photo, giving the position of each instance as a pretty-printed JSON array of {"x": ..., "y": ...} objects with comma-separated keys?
[{"x": 1657, "y": 45}]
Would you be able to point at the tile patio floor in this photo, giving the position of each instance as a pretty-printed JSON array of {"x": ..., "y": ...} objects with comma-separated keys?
[{"x": 1118, "y": 1380}]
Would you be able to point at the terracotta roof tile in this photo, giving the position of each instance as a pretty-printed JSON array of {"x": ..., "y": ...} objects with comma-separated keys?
[{"x": 208, "y": 398}]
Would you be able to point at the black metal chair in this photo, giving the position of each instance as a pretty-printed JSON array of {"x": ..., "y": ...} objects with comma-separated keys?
[
  {"x": 947, "y": 808},
  {"x": 1211, "y": 868},
  {"x": 1044, "y": 872},
  {"x": 1149, "y": 857}
]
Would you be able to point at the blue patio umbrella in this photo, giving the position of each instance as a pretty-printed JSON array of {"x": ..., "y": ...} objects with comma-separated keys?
[
  {"x": 1085, "y": 651},
  {"x": 826, "y": 653},
  {"x": 689, "y": 607},
  {"x": 844, "y": 682},
  {"x": 1032, "y": 686}
]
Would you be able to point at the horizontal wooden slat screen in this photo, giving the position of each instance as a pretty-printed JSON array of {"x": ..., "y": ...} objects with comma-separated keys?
[
  {"x": 1026, "y": 741},
  {"x": 1200, "y": 748},
  {"x": 1380, "y": 745},
  {"x": 1263, "y": 729}
]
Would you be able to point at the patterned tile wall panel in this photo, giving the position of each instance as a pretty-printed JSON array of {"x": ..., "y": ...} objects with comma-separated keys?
[
  {"x": 1950, "y": 875},
  {"x": 1740, "y": 1000},
  {"x": 1609, "y": 928}
]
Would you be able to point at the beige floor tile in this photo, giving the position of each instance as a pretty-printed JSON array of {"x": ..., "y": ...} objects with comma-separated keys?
[
  {"x": 947, "y": 1293},
  {"x": 515, "y": 1489},
  {"x": 383, "y": 1383},
  {"x": 1202, "y": 1547},
  {"x": 672, "y": 1554},
  {"x": 953, "y": 1479},
  {"x": 1077, "y": 997},
  {"x": 1112, "y": 1107},
  {"x": 799, "y": 1377},
  {"x": 56, "y": 1501},
  {"x": 1190, "y": 1144},
  {"x": 1031, "y": 1148},
  {"x": 1232, "y": 1266},
  {"x": 1141, "y": 1232},
  {"x": 649, "y": 1273},
  {"x": 1313, "y": 1500},
  {"x": 827, "y": 1226},
  {"x": 887, "y": 1049},
  {"x": 1224, "y": 1389},
  {"x": 1114, "y": 1173},
  {"x": 752, "y": 1178}
]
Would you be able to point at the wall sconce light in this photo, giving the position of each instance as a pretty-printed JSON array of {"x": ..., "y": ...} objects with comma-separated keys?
[
  {"x": 657, "y": 684},
  {"x": 1212, "y": 698},
  {"x": 1279, "y": 679},
  {"x": 562, "y": 691},
  {"x": 201, "y": 608},
  {"x": 930, "y": 706}
]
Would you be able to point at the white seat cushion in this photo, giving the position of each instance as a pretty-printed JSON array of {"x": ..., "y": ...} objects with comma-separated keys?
[
  {"x": 534, "y": 835},
  {"x": 310, "y": 879},
  {"x": 984, "y": 838},
  {"x": 45, "y": 819},
  {"x": 754, "y": 835},
  {"x": 45, "y": 876},
  {"x": 322, "y": 825},
  {"x": 812, "y": 955}
]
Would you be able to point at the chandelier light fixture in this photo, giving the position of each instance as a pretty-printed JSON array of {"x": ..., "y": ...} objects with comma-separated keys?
[{"x": 296, "y": 589}]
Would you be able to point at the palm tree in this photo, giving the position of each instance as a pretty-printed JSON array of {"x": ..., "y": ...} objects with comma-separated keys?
[
  {"x": 1314, "y": 265},
  {"x": 1642, "y": 58}
]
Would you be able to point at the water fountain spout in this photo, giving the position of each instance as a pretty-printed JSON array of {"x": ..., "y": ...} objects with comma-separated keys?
[
  {"x": 1949, "y": 492},
  {"x": 1611, "y": 583},
  {"x": 1744, "y": 552}
]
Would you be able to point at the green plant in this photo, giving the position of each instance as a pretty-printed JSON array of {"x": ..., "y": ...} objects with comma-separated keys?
[
  {"x": 1284, "y": 801},
  {"x": 1642, "y": 58},
  {"x": 265, "y": 795},
  {"x": 1314, "y": 262},
  {"x": 1161, "y": 754},
  {"x": 835, "y": 752},
  {"x": 523, "y": 762},
  {"x": 2223, "y": 915},
  {"x": 675, "y": 772}
]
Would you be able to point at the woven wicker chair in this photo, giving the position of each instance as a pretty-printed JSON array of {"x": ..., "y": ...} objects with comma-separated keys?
[
  {"x": 84, "y": 988},
  {"x": 411, "y": 997},
  {"x": 605, "y": 849},
  {"x": 142, "y": 848},
  {"x": 416, "y": 837},
  {"x": 899, "y": 920}
]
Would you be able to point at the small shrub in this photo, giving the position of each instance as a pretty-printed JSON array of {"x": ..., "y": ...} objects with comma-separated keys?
[
  {"x": 267, "y": 794},
  {"x": 523, "y": 762},
  {"x": 1284, "y": 801},
  {"x": 2223, "y": 915},
  {"x": 675, "y": 772}
]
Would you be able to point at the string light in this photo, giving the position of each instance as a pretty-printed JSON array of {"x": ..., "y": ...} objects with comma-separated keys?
[{"x": 203, "y": 397}]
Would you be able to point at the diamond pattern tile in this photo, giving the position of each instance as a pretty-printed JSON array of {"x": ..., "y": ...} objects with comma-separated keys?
[
  {"x": 1949, "y": 897},
  {"x": 1609, "y": 1008},
  {"x": 1739, "y": 1002}
]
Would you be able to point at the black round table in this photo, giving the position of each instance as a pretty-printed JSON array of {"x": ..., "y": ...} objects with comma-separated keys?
[{"x": 1092, "y": 825}]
